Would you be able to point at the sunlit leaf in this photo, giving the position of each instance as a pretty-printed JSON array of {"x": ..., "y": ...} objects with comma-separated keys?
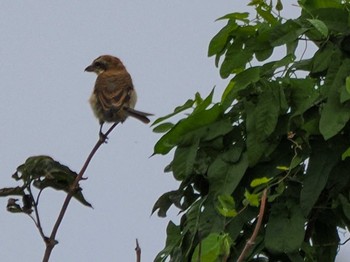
[
  {"x": 345, "y": 154},
  {"x": 260, "y": 181},
  {"x": 283, "y": 168},
  {"x": 252, "y": 199},
  {"x": 226, "y": 206},
  {"x": 212, "y": 247}
]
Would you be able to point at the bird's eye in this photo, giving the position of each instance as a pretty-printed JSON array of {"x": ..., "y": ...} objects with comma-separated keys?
[{"x": 98, "y": 64}]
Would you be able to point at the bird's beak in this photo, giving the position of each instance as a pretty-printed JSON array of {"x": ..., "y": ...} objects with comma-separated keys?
[{"x": 90, "y": 68}]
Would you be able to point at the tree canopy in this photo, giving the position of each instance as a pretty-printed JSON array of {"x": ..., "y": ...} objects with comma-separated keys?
[{"x": 280, "y": 131}]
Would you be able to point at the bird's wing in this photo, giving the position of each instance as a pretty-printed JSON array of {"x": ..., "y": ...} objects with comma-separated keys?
[{"x": 113, "y": 90}]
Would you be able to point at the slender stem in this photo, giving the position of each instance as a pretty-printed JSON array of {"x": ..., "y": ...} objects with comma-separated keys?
[
  {"x": 251, "y": 241},
  {"x": 51, "y": 241},
  {"x": 36, "y": 212}
]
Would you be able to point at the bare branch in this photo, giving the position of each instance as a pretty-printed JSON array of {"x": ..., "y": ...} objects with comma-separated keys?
[
  {"x": 51, "y": 241},
  {"x": 251, "y": 241}
]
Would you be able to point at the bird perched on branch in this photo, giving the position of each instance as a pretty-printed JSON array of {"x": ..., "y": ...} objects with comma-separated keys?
[{"x": 114, "y": 97}]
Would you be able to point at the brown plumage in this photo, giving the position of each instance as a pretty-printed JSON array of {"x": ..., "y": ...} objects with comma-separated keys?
[{"x": 114, "y": 97}]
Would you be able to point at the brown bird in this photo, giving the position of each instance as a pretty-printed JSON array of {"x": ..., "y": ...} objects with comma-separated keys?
[{"x": 114, "y": 97}]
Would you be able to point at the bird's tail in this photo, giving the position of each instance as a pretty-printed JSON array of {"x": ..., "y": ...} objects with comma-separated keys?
[{"x": 142, "y": 116}]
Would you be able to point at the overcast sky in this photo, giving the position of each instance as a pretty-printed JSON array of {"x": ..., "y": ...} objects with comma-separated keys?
[{"x": 45, "y": 46}]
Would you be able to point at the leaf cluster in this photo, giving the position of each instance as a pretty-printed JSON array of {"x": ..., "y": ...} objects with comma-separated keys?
[
  {"x": 41, "y": 172},
  {"x": 281, "y": 124}
]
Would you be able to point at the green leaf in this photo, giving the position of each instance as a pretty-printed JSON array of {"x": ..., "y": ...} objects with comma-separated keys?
[
  {"x": 251, "y": 199},
  {"x": 266, "y": 15},
  {"x": 335, "y": 115},
  {"x": 224, "y": 176},
  {"x": 319, "y": 26},
  {"x": 262, "y": 119},
  {"x": 279, "y": 5},
  {"x": 325, "y": 232},
  {"x": 255, "y": 146},
  {"x": 286, "y": 33},
  {"x": 162, "y": 128},
  {"x": 45, "y": 172},
  {"x": 291, "y": 47},
  {"x": 219, "y": 41},
  {"x": 322, "y": 58},
  {"x": 188, "y": 104},
  {"x": 283, "y": 168},
  {"x": 184, "y": 159},
  {"x": 226, "y": 206},
  {"x": 212, "y": 248},
  {"x": 235, "y": 60},
  {"x": 238, "y": 83},
  {"x": 285, "y": 228},
  {"x": 345, "y": 204},
  {"x": 344, "y": 93},
  {"x": 12, "y": 191},
  {"x": 260, "y": 181},
  {"x": 321, "y": 162},
  {"x": 203, "y": 104},
  {"x": 164, "y": 202},
  {"x": 335, "y": 19},
  {"x": 321, "y": 4},
  {"x": 345, "y": 154},
  {"x": 173, "y": 240},
  {"x": 285, "y": 61},
  {"x": 262, "y": 55},
  {"x": 347, "y": 84},
  {"x": 236, "y": 16},
  {"x": 267, "y": 111},
  {"x": 303, "y": 94},
  {"x": 184, "y": 126},
  {"x": 296, "y": 257}
]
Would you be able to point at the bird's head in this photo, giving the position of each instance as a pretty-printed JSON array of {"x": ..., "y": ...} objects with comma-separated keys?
[{"x": 104, "y": 63}]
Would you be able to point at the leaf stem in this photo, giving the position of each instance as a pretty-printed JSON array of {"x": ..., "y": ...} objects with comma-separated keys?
[{"x": 36, "y": 211}]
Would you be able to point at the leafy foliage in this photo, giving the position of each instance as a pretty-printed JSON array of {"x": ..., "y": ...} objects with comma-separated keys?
[
  {"x": 41, "y": 172},
  {"x": 282, "y": 125}
]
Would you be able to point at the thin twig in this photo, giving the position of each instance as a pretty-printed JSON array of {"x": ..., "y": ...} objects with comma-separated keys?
[
  {"x": 36, "y": 212},
  {"x": 341, "y": 244},
  {"x": 38, "y": 226},
  {"x": 38, "y": 197},
  {"x": 138, "y": 251},
  {"x": 51, "y": 241},
  {"x": 251, "y": 241}
]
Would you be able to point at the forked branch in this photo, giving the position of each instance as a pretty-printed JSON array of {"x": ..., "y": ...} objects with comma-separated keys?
[{"x": 51, "y": 241}]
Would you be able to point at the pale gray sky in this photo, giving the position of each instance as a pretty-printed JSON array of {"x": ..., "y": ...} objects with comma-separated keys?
[{"x": 45, "y": 47}]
